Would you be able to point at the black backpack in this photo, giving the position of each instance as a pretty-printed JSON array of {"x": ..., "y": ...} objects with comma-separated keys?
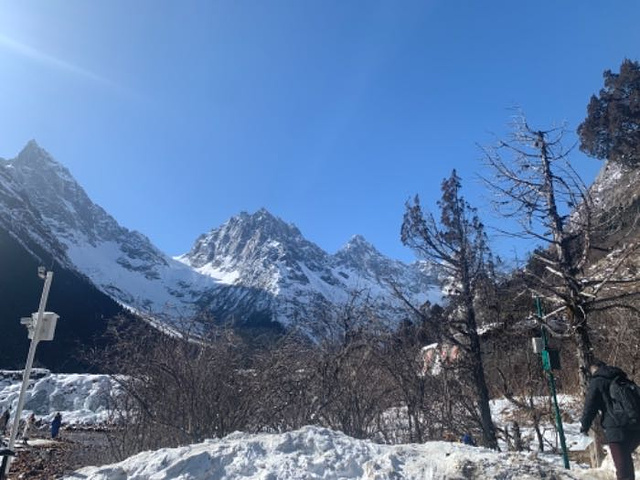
[{"x": 625, "y": 401}]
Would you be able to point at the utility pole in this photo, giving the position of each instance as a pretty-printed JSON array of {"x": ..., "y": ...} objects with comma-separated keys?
[
  {"x": 41, "y": 326},
  {"x": 547, "y": 367}
]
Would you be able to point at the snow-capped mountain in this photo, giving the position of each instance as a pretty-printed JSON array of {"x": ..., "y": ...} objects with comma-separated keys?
[
  {"x": 43, "y": 202},
  {"x": 292, "y": 279},
  {"x": 252, "y": 267}
]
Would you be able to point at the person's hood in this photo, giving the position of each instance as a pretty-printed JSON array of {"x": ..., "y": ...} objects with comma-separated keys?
[{"x": 609, "y": 372}]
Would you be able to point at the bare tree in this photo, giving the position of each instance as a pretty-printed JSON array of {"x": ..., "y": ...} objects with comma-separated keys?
[
  {"x": 286, "y": 382},
  {"x": 534, "y": 183},
  {"x": 177, "y": 389},
  {"x": 458, "y": 243},
  {"x": 354, "y": 388}
]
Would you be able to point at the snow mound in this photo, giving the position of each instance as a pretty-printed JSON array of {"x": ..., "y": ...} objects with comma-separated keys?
[
  {"x": 318, "y": 453},
  {"x": 81, "y": 399}
]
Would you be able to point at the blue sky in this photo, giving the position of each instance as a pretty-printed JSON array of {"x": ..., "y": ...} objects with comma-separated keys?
[{"x": 176, "y": 115}]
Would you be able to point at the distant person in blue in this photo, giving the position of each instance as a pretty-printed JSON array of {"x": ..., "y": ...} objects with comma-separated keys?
[
  {"x": 55, "y": 425},
  {"x": 467, "y": 439}
]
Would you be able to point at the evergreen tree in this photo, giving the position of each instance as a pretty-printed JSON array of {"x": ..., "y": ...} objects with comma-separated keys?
[
  {"x": 459, "y": 244},
  {"x": 612, "y": 127}
]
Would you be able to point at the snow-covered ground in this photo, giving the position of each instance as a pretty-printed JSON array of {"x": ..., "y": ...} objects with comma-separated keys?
[
  {"x": 308, "y": 453},
  {"x": 319, "y": 453},
  {"x": 504, "y": 412},
  {"x": 81, "y": 399}
]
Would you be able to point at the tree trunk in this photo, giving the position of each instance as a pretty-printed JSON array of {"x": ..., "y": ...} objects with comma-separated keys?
[
  {"x": 488, "y": 429},
  {"x": 584, "y": 353},
  {"x": 477, "y": 370},
  {"x": 536, "y": 427},
  {"x": 517, "y": 437}
]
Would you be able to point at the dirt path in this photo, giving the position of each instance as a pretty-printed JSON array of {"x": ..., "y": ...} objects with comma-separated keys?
[{"x": 50, "y": 460}]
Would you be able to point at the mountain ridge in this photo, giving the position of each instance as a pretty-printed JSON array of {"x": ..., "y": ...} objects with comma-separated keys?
[{"x": 253, "y": 264}]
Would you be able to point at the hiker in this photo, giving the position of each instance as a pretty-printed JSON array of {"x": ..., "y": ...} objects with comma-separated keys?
[
  {"x": 4, "y": 421},
  {"x": 28, "y": 424},
  {"x": 621, "y": 426},
  {"x": 55, "y": 425}
]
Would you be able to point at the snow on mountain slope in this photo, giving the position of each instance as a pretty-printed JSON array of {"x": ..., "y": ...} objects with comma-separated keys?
[
  {"x": 318, "y": 453},
  {"x": 613, "y": 221},
  {"x": 52, "y": 209},
  {"x": 253, "y": 266},
  {"x": 20, "y": 217},
  {"x": 285, "y": 274}
]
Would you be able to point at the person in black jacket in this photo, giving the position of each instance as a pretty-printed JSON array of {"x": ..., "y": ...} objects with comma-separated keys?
[{"x": 622, "y": 439}]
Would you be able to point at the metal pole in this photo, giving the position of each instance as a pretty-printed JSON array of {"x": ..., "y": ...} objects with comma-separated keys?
[
  {"x": 4, "y": 468},
  {"x": 552, "y": 387},
  {"x": 27, "y": 369}
]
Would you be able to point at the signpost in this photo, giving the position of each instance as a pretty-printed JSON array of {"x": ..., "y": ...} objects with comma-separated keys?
[
  {"x": 41, "y": 326},
  {"x": 550, "y": 360}
]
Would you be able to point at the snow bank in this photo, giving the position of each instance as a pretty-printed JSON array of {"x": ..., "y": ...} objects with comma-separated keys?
[
  {"x": 81, "y": 399},
  {"x": 503, "y": 412},
  {"x": 309, "y": 453},
  {"x": 318, "y": 453}
]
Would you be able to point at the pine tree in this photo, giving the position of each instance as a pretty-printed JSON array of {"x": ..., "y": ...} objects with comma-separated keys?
[
  {"x": 459, "y": 244},
  {"x": 612, "y": 127}
]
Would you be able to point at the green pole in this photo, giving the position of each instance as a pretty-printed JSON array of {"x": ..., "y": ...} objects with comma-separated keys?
[{"x": 546, "y": 365}]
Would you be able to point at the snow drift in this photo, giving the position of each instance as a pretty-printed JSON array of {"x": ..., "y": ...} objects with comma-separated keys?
[{"x": 318, "y": 453}]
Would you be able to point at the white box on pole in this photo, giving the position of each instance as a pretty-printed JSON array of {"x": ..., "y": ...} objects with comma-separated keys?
[{"x": 48, "y": 328}]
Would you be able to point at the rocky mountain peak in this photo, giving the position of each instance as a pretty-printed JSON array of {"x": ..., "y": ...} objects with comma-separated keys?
[
  {"x": 67, "y": 212},
  {"x": 36, "y": 164},
  {"x": 62, "y": 202},
  {"x": 33, "y": 151},
  {"x": 359, "y": 254},
  {"x": 265, "y": 224},
  {"x": 250, "y": 237},
  {"x": 358, "y": 245}
]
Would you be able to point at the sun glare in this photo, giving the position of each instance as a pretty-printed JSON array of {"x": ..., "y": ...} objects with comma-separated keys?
[{"x": 38, "y": 56}]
